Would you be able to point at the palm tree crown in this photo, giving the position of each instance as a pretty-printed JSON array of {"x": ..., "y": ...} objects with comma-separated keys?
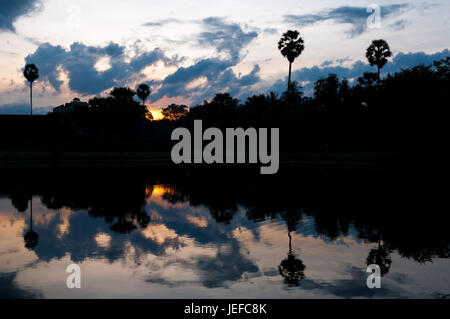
[
  {"x": 291, "y": 45},
  {"x": 143, "y": 92},
  {"x": 31, "y": 73},
  {"x": 377, "y": 54}
]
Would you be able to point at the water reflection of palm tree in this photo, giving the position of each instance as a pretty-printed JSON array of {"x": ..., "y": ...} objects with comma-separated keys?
[
  {"x": 292, "y": 269},
  {"x": 380, "y": 256},
  {"x": 31, "y": 238}
]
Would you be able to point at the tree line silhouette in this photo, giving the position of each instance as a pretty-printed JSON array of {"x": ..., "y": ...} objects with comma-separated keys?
[{"x": 403, "y": 111}]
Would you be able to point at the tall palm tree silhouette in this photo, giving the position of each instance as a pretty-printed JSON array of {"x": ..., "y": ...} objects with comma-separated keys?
[
  {"x": 380, "y": 256},
  {"x": 31, "y": 73},
  {"x": 143, "y": 91},
  {"x": 291, "y": 45},
  {"x": 31, "y": 238},
  {"x": 292, "y": 268},
  {"x": 377, "y": 54}
]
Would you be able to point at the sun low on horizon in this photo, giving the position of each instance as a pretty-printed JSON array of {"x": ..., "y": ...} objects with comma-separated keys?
[{"x": 156, "y": 114}]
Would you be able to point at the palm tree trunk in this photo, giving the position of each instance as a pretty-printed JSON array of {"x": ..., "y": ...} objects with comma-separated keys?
[
  {"x": 290, "y": 242},
  {"x": 31, "y": 98},
  {"x": 31, "y": 213},
  {"x": 378, "y": 77},
  {"x": 289, "y": 80}
]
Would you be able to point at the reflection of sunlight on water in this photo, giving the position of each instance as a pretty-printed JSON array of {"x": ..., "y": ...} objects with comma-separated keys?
[
  {"x": 155, "y": 194},
  {"x": 159, "y": 190}
]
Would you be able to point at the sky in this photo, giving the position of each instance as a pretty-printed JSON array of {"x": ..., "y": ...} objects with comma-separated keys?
[{"x": 188, "y": 51}]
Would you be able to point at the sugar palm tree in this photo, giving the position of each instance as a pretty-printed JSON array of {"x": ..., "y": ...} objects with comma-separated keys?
[
  {"x": 377, "y": 54},
  {"x": 380, "y": 256},
  {"x": 31, "y": 73},
  {"x": 143, "y": 91},
  {"x": 291, "y": 45},
  {"x": 292, "y": 269},
  {"x": 31, "y": 238}
]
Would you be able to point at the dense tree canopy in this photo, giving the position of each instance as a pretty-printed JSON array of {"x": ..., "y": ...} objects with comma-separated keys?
[{"x": 405, "y": 112}]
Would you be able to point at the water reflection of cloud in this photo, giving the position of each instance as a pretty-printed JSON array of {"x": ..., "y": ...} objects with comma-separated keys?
[
  {"x": 201, "y": 222},
  {"x": 103, "y": 240},
  {"x": 13, "y": 253},
  {"x": 159, "y": 233},
  {"x": 184, "y": 252}
]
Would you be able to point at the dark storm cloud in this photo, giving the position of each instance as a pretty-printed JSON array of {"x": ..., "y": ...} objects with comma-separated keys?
[
  {"x": 79, "y": 63},
  {"x": 11, "y": 10},
  {"x": 356, "y": 16},
  {"x": 399, "y": 62}
]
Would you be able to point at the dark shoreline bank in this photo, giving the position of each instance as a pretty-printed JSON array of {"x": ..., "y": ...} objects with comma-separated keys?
[{"x": 132, "y": 157}]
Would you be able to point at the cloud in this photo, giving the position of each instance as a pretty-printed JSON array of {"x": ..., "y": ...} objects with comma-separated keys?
[
  {"x": 308, "y": 76},
  {"x": 199, "y": 81},
  {"x": 343, "y": 60},
  {"x": 219, "y": 77},
  {"x": 23, "y": 109},
  {"x": 79, "y": 64},
  {"x": 161, "y": 23},
  {"x": 398, "y": 25},
  {"x": 225, "y": 37},
  {"x": 11, "y": 53},
  {"x": 407, "y": 60},
  {"x": 327, "y": 63},
  {"x": 270, "y": 30},
  {"x": 80, "y": 60},
  {"x": 10, "y": 11},
  {"x": 12, "y": 290},
  {"x": 356, "y": 16}
]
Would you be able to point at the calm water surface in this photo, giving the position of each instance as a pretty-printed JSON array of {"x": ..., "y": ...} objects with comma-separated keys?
[{"x": 191, "y": 236}]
